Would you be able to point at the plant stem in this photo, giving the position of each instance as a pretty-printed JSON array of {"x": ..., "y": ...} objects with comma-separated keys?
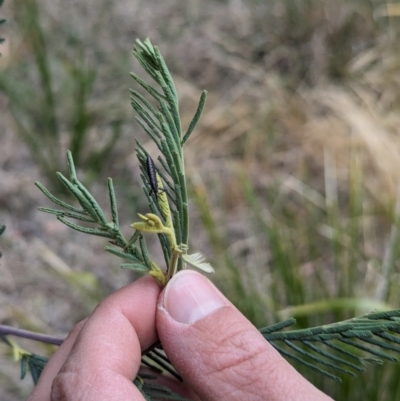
[
  {"x": 173, "y": 265},
  {"x": 45, "y": 338},
  {"x": 31, "y": 335}
]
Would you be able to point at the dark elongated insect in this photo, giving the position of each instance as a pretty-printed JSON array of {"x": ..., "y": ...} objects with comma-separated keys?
[{"x": 152, "y": 173}]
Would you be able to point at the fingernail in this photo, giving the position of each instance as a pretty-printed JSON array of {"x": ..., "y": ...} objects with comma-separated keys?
[{"x": 189, "y": 297}]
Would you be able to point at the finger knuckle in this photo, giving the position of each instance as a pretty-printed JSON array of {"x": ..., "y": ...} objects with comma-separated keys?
[{"x": 68, "y": 386}]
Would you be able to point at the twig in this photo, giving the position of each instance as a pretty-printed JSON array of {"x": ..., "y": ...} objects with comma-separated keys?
[{"x": 30, "y": 335}]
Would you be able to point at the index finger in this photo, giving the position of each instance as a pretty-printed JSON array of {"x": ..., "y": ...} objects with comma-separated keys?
[{"x": 105, "y": 357}]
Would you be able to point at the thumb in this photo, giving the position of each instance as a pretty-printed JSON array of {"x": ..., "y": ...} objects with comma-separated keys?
[{"x": 218, "y": 352}]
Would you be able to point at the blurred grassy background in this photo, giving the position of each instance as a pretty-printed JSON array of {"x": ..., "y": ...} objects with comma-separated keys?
[{"x": 294, "y": 170}]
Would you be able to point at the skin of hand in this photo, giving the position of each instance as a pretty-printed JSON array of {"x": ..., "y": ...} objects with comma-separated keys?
[{"x": 218, "y": 352}]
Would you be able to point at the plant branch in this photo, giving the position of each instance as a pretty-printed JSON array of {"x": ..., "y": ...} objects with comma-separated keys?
[{"x": 30, "y": 335}]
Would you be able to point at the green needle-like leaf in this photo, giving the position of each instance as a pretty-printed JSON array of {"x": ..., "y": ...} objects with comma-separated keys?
[
  {"x": 63, "y": 213},
  {"x": 113, "y": 203},
  {"x": 122, "y": 254},
  {"x": 196, "y": 117},
  {"x": 135, "y": 266},
  {"x": 86, "y": 230}
]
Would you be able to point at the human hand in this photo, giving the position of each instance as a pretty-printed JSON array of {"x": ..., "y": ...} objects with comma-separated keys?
[{"x": 218, "y": 352}]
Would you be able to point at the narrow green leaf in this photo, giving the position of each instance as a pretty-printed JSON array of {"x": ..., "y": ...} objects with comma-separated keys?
[
  {"x": 135, "y": 266},
  {"x": 165, "y": 248},
  {"x": 382, "y": 344},
  {"x": 277, "y": 326},
  {"x": 335, "y": 328},
  {"x": 24, "y": 365},
  {"x": 165, "y": 364},
  {"x": 151, "y": 365},
  {"x": 122, "y": 254},
  {"x": 386, "y": 315},
  {"x": 369, "y": 350},
  {"x": 177, "y": 225},
  {"x": 135, "y": 236},
  {"x": 71, "y": 167},
  {"x": 165, "y": 179},
  {"x": 113, "y": 203},
  {"x": 344, "y": 351},
  {"x": 185, "y": 223},
  {"x": 389, "y": 337},
  {"x": 303, "y": 362},
  {"x": 141, "y": 152},
  {"x": 196, "y": 117},
  {"x": 63, "y": 213},
  {"x": 145, "y": 252},
  {"x": 164, "y": 165},
  {"x": 85, "y": 230}
]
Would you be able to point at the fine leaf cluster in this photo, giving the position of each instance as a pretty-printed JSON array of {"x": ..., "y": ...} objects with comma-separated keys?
[
  {"x": 351, "y": 339},
  {"x": 90, "y": 213},
  {"x": 163, "y": 126},
  {"x": 169, "y": 217},
  {"x": 35, "y": 364}
]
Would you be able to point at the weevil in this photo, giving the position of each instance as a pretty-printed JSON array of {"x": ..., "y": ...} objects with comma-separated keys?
[{"x": 152, "y": 173}]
